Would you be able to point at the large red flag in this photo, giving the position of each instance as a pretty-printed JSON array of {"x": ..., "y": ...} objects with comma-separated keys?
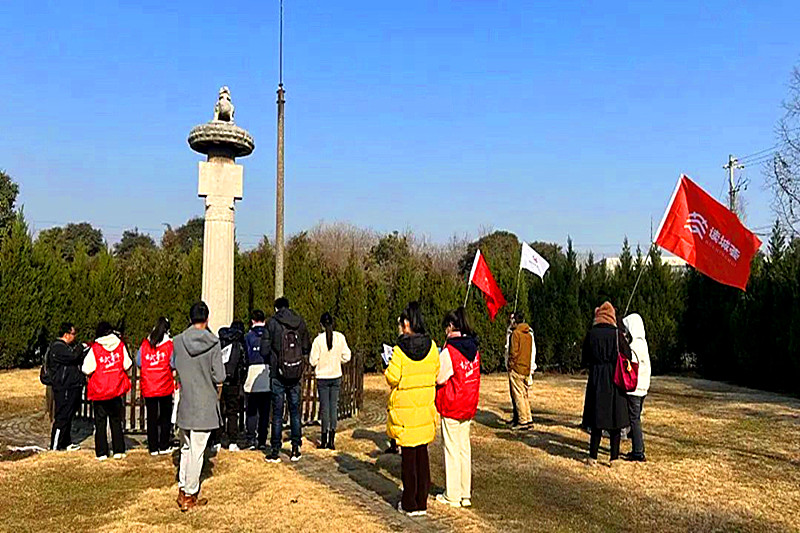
[
  {"x": 482, "y": 277},
  {"x": 707, "y": 235}
]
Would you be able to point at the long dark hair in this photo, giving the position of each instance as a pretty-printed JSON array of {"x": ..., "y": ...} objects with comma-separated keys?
[
  {"x": 161, "y": 329},
  {"x": 326, "y": 320},
  {"x": 457, "y": 318},
  {"x": 413, "y": 314}
]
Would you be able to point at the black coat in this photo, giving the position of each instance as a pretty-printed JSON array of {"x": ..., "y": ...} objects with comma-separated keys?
[
  {"x": 236, "y": 367},
  {"x": 605, "y": 406},
  {"x": 65, "y": 365},
  {"x": 272, "y": 338}
]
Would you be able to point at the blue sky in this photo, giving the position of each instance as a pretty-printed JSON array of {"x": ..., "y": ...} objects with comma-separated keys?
[{"x": 544, "y": 118}]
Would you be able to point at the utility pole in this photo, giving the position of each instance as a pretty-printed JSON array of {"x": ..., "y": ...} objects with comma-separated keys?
[
  {"x": 279, "y": 184},
  {"x": 733, "y": 189}
]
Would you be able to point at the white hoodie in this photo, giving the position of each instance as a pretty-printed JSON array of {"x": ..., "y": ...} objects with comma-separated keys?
[
  {"x": 641, "y": 354},
  {"x": 110, "y": 343}
]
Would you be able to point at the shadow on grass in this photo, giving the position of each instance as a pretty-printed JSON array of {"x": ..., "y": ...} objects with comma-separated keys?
[
  {"x": 563, "y": 499},
  {"x": 369, "y": 475},
  {"x": 379, "y": 438},
  {"x": 552, "y": 443}
]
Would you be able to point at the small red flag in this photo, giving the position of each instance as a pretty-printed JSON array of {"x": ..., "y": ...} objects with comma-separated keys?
[
  {"x": 482, "y": 277},
  {"x": 707, "y": 235}
]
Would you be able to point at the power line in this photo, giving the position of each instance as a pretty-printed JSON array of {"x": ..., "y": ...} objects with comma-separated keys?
[{"x": 756, "y": 155}]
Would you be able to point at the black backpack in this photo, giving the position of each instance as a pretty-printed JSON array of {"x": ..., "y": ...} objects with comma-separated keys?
[
  {"x": 45, "y": 373},
  {"x": 290, "y": 357}
]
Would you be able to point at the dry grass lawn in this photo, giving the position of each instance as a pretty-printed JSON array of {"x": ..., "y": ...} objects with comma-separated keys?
[
  {"x": 20, "y": 393},
  {"x": 721, "y": 458}
]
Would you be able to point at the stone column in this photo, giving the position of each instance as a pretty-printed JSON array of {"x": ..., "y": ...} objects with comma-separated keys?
[{"x": 221, "y": 184}]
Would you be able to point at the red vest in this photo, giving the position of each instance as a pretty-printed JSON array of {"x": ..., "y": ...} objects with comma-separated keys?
[
  {"x": 109, "y": 379},
  {"x": 156, "y": 379},
  {"x": 458, "y": 398}
]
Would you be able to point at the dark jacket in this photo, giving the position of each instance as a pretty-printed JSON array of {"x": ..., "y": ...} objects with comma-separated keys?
[
  {"x": 252, "y": 342},
  {"x": 65, "y": 365},
  {"x": 605, "y": 405},
  {"x": 272, "y": 338},
  {"x": 198, "y": 361},
  {"x": 236, "y": 365}
]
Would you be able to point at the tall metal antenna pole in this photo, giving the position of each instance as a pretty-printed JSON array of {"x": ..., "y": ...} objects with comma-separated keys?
[{"x": 279, "y": 184}]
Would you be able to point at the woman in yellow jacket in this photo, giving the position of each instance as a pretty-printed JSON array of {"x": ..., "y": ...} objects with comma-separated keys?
[{"x": 412, "y": 375}]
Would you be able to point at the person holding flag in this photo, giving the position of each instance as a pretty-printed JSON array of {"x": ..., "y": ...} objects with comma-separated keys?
[{"x": 521, "y": 364}]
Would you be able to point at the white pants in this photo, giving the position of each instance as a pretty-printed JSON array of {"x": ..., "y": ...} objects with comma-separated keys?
[
  {"x": 457, "y": 459},
  {"x": 193, "y": 447}
]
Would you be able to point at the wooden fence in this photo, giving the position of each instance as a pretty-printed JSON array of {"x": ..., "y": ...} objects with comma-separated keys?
[{"x": 351, "y": 398}]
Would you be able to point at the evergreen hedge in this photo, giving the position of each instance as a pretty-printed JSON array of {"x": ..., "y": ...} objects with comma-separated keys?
[{"x": 365, "y": 280}]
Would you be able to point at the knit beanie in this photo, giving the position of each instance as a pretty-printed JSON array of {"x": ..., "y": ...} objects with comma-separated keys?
[{"x": 605, "y": 314}]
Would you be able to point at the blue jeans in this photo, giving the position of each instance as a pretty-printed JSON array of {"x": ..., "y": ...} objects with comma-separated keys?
[
  {"x": 280, "y": 390},
  {"x": 635, "y": 404},
  {"x": 329, "y": 402}
]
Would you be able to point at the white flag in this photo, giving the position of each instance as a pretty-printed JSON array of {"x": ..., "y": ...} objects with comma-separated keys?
[
  {"x": 474, "y": 265},
  {"x": 532, "y": 261}
]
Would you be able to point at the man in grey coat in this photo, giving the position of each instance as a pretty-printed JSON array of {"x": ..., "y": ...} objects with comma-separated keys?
[{"x": 198, "y": 361}]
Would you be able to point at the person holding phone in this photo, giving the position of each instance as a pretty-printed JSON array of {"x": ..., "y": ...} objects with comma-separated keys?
[{"x": 411, "y": 375}]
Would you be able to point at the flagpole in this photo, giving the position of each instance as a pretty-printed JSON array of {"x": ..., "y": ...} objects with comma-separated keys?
[
  {"x": 469, "y": 286},
  {"x": 516, "y": 296},
  {"x": 638, "y": 278}
]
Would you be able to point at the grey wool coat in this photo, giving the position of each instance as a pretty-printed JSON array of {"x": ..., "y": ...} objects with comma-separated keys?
[{"x": 198, "y": 361}]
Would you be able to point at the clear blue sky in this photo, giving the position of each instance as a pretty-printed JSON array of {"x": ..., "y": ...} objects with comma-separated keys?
[{"x": 544, "y": 118}]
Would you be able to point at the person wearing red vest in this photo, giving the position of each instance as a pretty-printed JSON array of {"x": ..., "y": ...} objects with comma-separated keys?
[
  {"x": 157, "y": 384},
  {"x": 106, "y": 364},
  {"x": 457, "y": 390}
]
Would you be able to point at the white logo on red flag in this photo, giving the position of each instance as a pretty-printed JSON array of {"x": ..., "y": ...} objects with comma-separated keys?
[{"x": 697, "y": 224}]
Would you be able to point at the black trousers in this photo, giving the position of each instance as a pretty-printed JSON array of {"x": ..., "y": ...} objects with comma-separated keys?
[
  {"x": 594, "y": 443},
  {"x": 229, "y": 400},
  {"x": 108, "y": 413},
  {"x": 257, "y": 422},
  {"x": 416, "y": 476},
  {"x": 159, "y": 422},
  {"x": 66, "y": 405}
]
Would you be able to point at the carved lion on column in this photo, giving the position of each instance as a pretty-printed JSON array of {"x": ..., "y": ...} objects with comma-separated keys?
[{"x": 223, "y": 110}]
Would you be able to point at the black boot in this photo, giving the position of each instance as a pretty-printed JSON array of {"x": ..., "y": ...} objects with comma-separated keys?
[
  {"x": 323, "y": 441},
  {"x": 331, "y": 438}
]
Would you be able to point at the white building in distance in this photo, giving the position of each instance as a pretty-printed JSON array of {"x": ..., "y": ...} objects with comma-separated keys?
[{"x": 675, "y": 263}]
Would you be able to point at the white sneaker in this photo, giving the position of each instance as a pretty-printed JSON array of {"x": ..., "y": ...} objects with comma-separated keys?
[
  {"x": 73, "y": 448},
  {"x": 102, "y": 458},
  {"x": 217, "y": 447},
  {"x": 154, "y": 453},
  {"x": 466, "y": 502},
  {"x": 441, "y": 498},
  {"x": 120, "y": 455},
  {"x": 167, "y": 451},
  {"x": 418, "y": 513},
  {"x": 233, "y": 447}
]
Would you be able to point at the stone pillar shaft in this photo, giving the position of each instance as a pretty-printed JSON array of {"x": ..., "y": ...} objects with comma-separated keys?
[{"x": 221, "y": 184}]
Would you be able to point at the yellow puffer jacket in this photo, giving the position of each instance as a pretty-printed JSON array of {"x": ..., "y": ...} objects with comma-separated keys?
[{"x": 412, "y": 413}]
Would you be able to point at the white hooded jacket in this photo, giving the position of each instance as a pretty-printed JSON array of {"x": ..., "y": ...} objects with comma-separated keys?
[{"x": 640, "y": 352}]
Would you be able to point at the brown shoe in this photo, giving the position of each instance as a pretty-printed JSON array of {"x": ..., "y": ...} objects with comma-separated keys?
[
  {"x": 193, "y": 501},
  {"x": 181, "y": 498}
]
